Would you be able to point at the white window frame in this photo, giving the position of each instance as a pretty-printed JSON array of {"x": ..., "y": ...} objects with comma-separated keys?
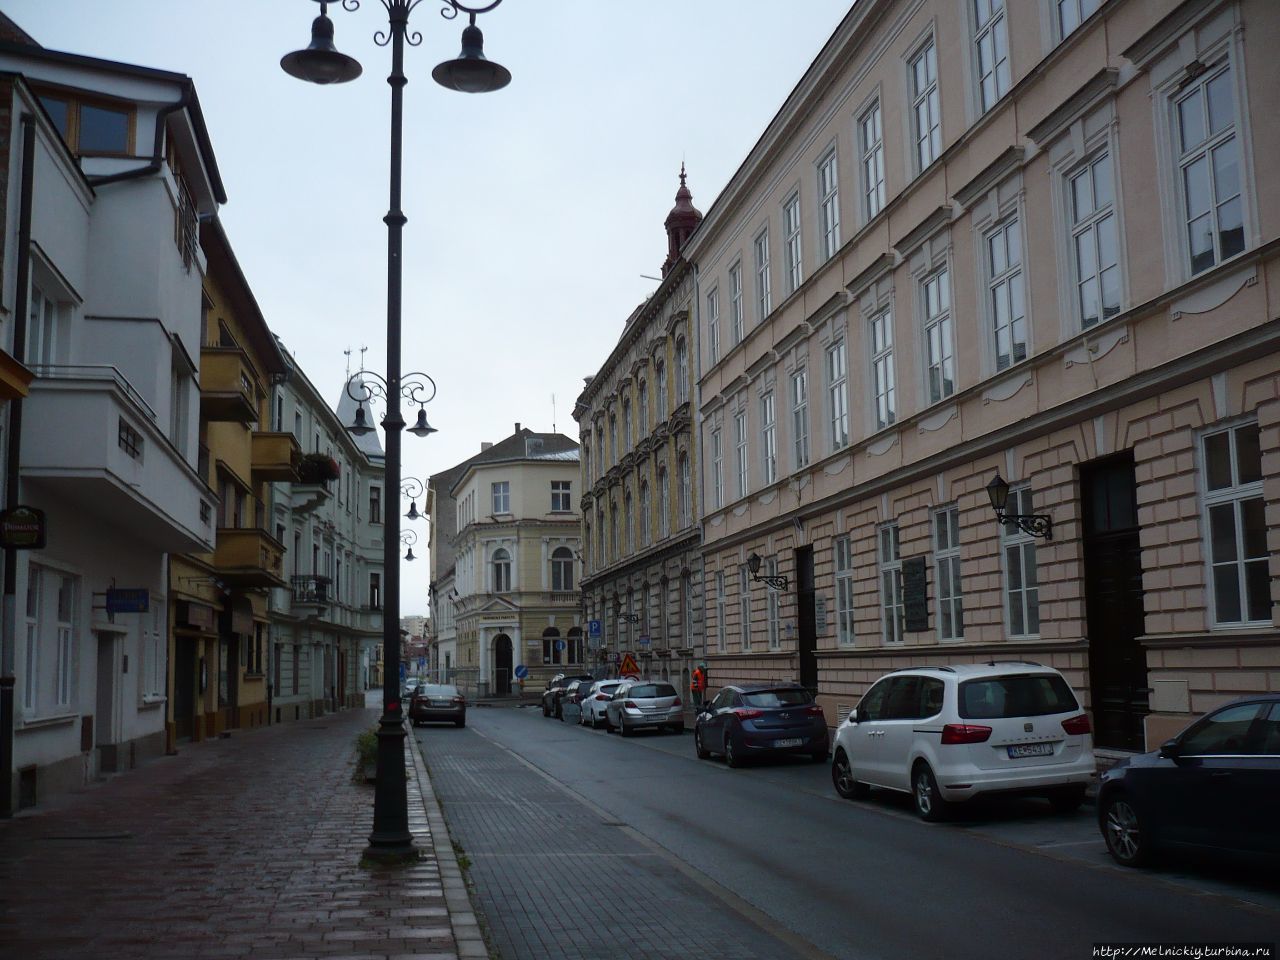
[
  {"x": 741, "y": 462},
  {"x": 744, "y": 608},
  {"x": 561, "y": 496},
  {"x": 722, "y": 641},
  {"x": 772, "y": 606},
  {"x": 837, "y": 370},
  {"x": 713, "y": 324},
  {"x": 685, "y": 479},
  {"x": 947, "y": 588},
  {"x": 501, "y": 490},
  {"x": 768, "y": 440},
  {"x": 764, "y": 294},
  {"x": 828, "y": 205},
  {"x": 31, "y": 668},
  {"x": 892, "y": 607},
  {"x": 735, "y": 302},
  {"x": 642, "y": 401},
  {"x": 65, "y": 626},
  {"x": 1239, "y": 492},
  {"x": 562, "y": 569},
  {"x": 991, "y": 52},
  {"x": 1015, "y": 542},
  {"x": 1089, "y": 230},
  {"x": 883, "y": 378},
  {"x": 645, "y": 517},
  {"x": 717, "y": 467},
  {"x": 800, "y": 417},
  {"x": 682, "y": 371},
  {"x": 939, "y": 335},
  {"x": 664, "y": 502},
  {"x": 660, "y": 371},
  {"x": 1006, "y": 284},
  {"x": 500, "y": 570},
  {"x": 792, "y": 250},
  {"x": 842, "y": 556},
  {"x": 1068, "y": 15},
  {"x": 871, "y": 150},
  {"x": 924, "y": 105}
]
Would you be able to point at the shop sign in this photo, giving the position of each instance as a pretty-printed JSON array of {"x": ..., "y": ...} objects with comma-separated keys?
[
  {"x": 128, "y": 600},
  {"x": 22, "y": 528}
]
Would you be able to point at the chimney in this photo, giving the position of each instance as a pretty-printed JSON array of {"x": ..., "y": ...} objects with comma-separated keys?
[
  {"x": 517, "y": 426},
  {"x": 484, "y": 446}
]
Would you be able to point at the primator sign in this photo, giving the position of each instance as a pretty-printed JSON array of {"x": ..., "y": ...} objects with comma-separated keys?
[{"x": 22, "y": 528}]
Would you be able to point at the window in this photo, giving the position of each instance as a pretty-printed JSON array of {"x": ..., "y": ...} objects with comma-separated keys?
[
  {"x": 375, "y": 504},
  {"x": 627, "y": 440},
  {"x": 1072, "y": 13},
  {"x": 502, "y": 496},
  {"x": 871, "y": 147},
  {"x": 501, "y": 571},
  {"x": 561, "y": 500},
  {"x": 643, "y": 401},
  {"x": 721, "y": 638},
  {"x": 1008, "y": 306},
  {"x": 1225, "y": 732},
  {"x": 940, "y": 370},
  {"x": 664, "y": 503},
  {"x": 744, "y": 607},
  {"x": 45, "y": 328},
  {"x": 686, "y": 606},
  {"x": 31, "y": 680},
  {"x": 686, "y": 491},
  {"x": 892, "y": 610},
  {"x": 926, "y": 117},
  {"x": 991, "y": 39},
  {"x": 946, "y": 553},
  {"x": 615, "y": 544},
  {"x": 294, "y": 662},
  {"x": 735, "y": 301},
  {"x": 682, "y": 371},
  {"x": 550, "y": 650},
  {"x": 1022, "y": 594},
  {"x": 1094, "y": 243},
  {"x": 628, "y": 522},
  {"x": 1237, "y": 526},
  {"x": 154, "y": 653},
  {"x": 771, "y": 605},
  {"x": 601, "y": 557},
  {"x": 837, "y": 379},
  {"x": 613, "y": 440},
  {"x": 1209, "y": 169},
  {"x": 562, "y": 569},
  {"x": 764, "y": 302},
  {"x": 717, "y": 468},
  {"x": 882, "y": 368},
  {"x": 740, "y": 450},
  {"x": 644, "y": 514},
  {"x": 791, "y": 242},
  {"x": 768, "y": 441},
  {"x": 713, "y": 325},
  {"x": 844, "y": 591},
  {"x": 66, "y": 639},
  {"x": 91, "y": 128},
  {"x": 661, "y": 370},
  {"x": 129, "y": 440},
  {"x": 829, "y": 205},
  {"x": 575, "y": 646},
  {"x": 800, "y": 417}
]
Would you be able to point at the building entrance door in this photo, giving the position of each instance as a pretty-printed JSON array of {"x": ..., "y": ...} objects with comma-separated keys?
[
  {"x": 806, "y": 619},
  {"x": 184, "y": 688},
  {"x": 107, "y": 725},
  {"x": 1113, "y": 603},
  {"x": 502, "y": 665}
]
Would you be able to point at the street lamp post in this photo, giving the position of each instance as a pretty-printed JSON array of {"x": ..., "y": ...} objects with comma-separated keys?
[{"x": 470, "y": 72}]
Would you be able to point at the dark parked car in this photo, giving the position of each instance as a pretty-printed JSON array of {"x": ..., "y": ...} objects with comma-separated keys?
[
  {"x": 761, "y": 720},
  {"x": 555, "y": 690},
  {"x": 573, "y": 693},
  {"x": 1212, "y": 786},
  {"x": 438, "y": 703}
]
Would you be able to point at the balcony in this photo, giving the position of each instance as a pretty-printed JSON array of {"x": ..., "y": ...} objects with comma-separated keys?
[
  {"x": 227, "y": 392},
  {"x": 249, "y": 557},
  {"x": 91, "y": 438},
  {"x": 275, "y": 456},
  {"x": 311, "y": 592}
]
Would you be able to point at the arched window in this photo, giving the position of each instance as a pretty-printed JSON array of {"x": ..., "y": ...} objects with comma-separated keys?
[
  {"x": 575, "y": 645},
  {"x": 686, "y": 492},
  {"x": 660, "y": 370},
  {"x": 601, "y": 557},
  {"x": 613, "y": 530},
  {"x": 644, "y": 513},
  {"x": 642, "y": 400},
  {"x": 664, "y": 503},
  {"x": 550, "y": 654},
  {"x": 586, "y": 544},
  {"x": 613, "y": 438},
  {"x": 501, "y": 571},
  {"x": 561, "y": 569},
  {"x": 629, "y": 522},
  {"x": 627, "y": 439},
  {"x": 682, "y": 371}
]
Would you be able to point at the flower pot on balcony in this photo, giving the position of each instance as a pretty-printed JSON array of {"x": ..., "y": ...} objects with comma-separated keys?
[{"x": 318, "y": 468}]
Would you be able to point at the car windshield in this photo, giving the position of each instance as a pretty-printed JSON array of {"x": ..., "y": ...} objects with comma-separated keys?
[
  {"x": 1030, "y": 695},
  {"x": 652, "y": 690},
  {"x": 777, "y": 698},
  {"x": 437, "y": 690}
]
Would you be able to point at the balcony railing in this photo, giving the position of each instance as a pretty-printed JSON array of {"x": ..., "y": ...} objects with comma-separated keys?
[
  {"x": 311, "y": 590},
  {"x": 249, "y": 556},
  {"x": 227, "y": 390}
]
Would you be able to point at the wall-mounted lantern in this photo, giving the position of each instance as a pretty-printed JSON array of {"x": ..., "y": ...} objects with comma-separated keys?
[
  {"x": 753, "y": 565},
  {"x": 1033, "y": 524}
]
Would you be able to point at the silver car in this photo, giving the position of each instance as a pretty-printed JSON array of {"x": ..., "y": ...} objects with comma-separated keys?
[
  {"x": 595, "y": 701},
  {"x": 644, "y": 704}
]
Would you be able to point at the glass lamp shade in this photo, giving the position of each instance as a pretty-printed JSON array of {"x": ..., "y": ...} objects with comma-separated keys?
[
  {"x": 422, "y": 428},
  {"x": 413, "y": 513},
  {"x": 998, "y": 491},
  {"x": 472, "y": 72},
  {"x": 408, "y": 554},
  {"x": 321, "y": 62},
  {"x": 753, "y": 563},
  {"x": 360, "y": 426}
]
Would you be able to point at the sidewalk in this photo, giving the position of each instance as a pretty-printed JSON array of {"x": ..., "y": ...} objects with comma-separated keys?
[{"x": 243, "y": 847}]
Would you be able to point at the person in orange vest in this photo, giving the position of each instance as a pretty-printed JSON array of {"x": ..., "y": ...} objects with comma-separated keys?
[{"x": 698, "y": 684}]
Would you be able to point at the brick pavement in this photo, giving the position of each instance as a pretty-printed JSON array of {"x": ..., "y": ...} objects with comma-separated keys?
[
  {"x": 555, "y": 881},
  {"x": 243, "y": 847}
]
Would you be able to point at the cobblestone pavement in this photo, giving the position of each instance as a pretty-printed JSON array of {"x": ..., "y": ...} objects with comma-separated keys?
[
  {"x": 554, "y": 879},
  {"x": 242, "y": 847}
]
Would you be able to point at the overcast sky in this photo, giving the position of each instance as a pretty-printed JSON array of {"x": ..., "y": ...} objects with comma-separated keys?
[{"x": 533, "y": 212}]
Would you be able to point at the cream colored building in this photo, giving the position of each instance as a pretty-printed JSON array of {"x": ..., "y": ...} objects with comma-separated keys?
[
  {"x": 1027, "y": 239},
  {"x": 516, "y": 563},
  {"x": 643, "y": 579}
]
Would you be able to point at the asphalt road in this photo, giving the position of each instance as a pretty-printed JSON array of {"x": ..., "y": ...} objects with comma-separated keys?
[{"x": 775, "y": 849}]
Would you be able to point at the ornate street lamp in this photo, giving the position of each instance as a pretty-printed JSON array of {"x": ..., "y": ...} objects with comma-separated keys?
[
  {"x": 409, "y": 538},
  {"x": 753, "y": 565},
  {"x": 1033, "y": 524},
  {"x": 471, "y": 72},
  {"x": 412, "y": 488}
]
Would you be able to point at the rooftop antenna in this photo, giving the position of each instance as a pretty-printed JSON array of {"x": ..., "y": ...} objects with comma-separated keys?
[
  {"x": 362, "y": 353},
  {"x": 553, "y": 413},
  {"x": 347, "y": 354}
]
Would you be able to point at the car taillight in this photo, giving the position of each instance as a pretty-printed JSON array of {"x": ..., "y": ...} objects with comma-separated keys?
[
  {"x": 1077, "y": 725},
  {"x": 601, "y": 696},
  {"x": 677, "y": 703},
  {"x": 965, "y": 733},
  {"x": 742, "y": 713},
  {"x": 630, "y": 704},
  {"x": 814, "y": 709}
]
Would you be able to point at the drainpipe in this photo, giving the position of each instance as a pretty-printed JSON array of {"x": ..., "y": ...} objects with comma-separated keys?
[
  {"x": 8, "y": 632},
  {"x": 157, "y": 150}
]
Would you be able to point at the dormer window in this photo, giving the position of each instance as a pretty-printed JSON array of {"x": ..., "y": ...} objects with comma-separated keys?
[{"x": 91, "y": 127}]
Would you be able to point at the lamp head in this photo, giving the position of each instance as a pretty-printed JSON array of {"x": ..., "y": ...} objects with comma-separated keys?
[
  {"x": 360, "y": 425},
  {"x": 408, "y": 554},
  {"x": 753, "y": 563},
  {"x": 998, "y": 491},
  {"x": 321, "y": 62},
  {"x": 421, "y": 428},
  {"x": 472, "y": 72},
  {"x": 413, "y": 513}
]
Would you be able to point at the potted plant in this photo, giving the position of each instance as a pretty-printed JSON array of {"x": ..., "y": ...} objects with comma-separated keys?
[
  {"x": 367, "y": 751},
  {"x": 318, "y": 468}
]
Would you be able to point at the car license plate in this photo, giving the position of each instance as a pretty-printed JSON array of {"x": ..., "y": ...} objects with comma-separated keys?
[
  {"x": 1031, "y": 750},
  {"x": 440, "y": 703},
  {"x": 795, "y": 742}
]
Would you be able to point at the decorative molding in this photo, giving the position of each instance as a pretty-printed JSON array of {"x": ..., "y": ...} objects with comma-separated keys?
[
  {"x": 939, "y": 219},
  {"x": 740, "y": 509},
  {"x": 879, "y": 267},
  {"x": 1215, "y": 294},
  {"x": 837, "y": 466},
  {"x": 938, "y": 419},
  {"x": 715, "y": 521},
  {"x": 767, "y": 497},
  {"x": 1152, "y": 43},
  {"x": 832, "y": 304},
  {"x": 1095, "y": 348},
  {"x": 1009, "y": 162},
  {"x": 796, "y": 334},
  {"x": 760, "y": 364},
  {"x": 1008, "y": 387},
  {"x": 1100, "y": 85},
  {"x": 676, "y": 317},
  {"x": 713, "y": 403},
  {"x": 882, "y": 445}
]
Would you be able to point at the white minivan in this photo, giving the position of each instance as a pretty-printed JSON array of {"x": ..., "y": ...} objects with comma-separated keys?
[{"x": 947, "y": 734}]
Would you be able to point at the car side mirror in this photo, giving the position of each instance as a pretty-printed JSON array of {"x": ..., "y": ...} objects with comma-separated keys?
[
  {"x": 854, "y": 717},
  {"x": 1170, "y": 749}
]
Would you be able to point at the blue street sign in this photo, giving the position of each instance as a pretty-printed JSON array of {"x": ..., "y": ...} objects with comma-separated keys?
[
  {"x": 560, "y": 644},
  {"x": 422, "y": 662},
  {"x": 521, "y": 672},
  {"x": 643, "y": 641},
  {"x": 402, "y": 670},
  {"x": 595, "y": 628}
]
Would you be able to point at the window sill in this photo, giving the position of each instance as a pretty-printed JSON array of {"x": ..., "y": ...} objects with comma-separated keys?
[
  {"x": 152, "y": 701},
  {"x": 40, "y": 723}
]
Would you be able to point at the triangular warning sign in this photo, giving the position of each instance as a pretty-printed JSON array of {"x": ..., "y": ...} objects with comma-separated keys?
[{"x": 629, "y": 668}]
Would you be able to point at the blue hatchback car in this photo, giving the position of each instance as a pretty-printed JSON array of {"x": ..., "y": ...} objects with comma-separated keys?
[
  {"x": 1213, "y": 786},
  {"x": 747, "y": 721}
]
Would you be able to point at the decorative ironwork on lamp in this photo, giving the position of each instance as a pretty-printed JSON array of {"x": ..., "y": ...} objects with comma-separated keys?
[
  {"x": 1032, "y": 524},
  {"x": 777, "y": 582}
]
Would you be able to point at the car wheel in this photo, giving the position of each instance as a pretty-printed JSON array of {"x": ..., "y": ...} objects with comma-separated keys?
[
  {"x": 698, "y": 746},
  {"x": 731, "y": 759},
  {"x": 842, "y": 779},
  {"x": 1125, "y": 833},
  {"x": 622, "y": 727},
  {"x": 1067, "y": 799},
  {"x": 545, "y": 711},
  {"x": 929, "y": 802}
]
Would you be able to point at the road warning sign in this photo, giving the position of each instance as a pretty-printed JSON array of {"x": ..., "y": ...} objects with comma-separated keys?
[{"x": 629, "y": 668}]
